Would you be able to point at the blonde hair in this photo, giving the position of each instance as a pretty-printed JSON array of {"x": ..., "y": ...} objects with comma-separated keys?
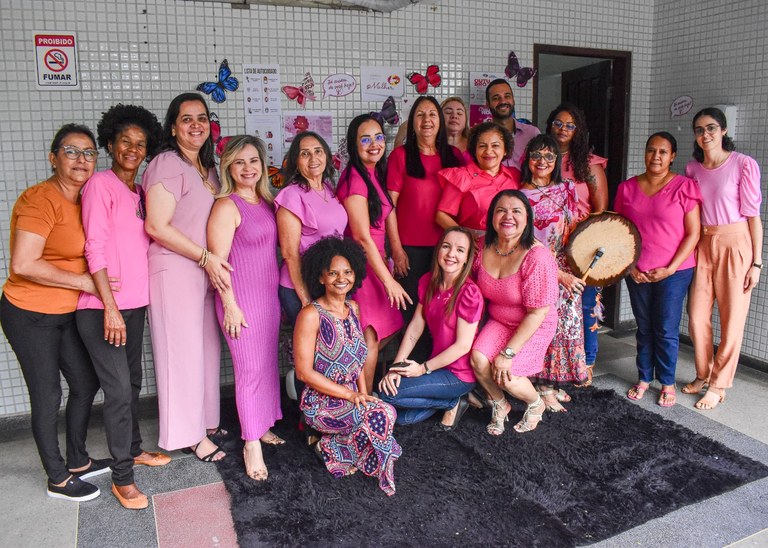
[
  {"x": 465, "y": 131},
  {"x": 234, "y": 147}
]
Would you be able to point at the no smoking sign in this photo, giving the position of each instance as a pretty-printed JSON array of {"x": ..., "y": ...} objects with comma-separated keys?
[{"x": 56, "y": 55}]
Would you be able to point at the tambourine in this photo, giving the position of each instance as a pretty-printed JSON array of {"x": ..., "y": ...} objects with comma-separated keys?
[{"x": 603, "y": 248}]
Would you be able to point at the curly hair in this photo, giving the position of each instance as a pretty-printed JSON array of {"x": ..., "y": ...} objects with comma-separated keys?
[
  {"x": 541, "y": 142},
  {"x": 120, "y": 117},
  {"x": 318, "y": 257},
  {"x": 413, "y": 166},
  {"x": 233, "y": 148},
  {"x": 169, "y": 141},
  {"x": 486, "y": 127},
  {"x": 579, "y": 150},
  {"x": 292, "y": 174},
  {"x": 719, "y": 116}
]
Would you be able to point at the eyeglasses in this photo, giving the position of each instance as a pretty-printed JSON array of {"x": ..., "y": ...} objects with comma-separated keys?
[
  {"x": 546, "y": 156},
  {"x": 73, "y": 153},
  {"x": 367, "y": 141},
  {"x": 711, "y": 129},
  {"x": 567, "y": 126}
]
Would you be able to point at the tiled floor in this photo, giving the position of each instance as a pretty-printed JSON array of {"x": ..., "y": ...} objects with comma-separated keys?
[{"x": 190, "y": 506}]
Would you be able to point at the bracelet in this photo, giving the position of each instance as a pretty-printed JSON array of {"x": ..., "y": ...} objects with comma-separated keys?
[
  {"x": 204, "y": 258},
  {"x": 758, "y": 266}
]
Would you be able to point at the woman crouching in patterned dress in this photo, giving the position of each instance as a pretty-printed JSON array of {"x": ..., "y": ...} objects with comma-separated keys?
[{"x": 329, "y": 352}]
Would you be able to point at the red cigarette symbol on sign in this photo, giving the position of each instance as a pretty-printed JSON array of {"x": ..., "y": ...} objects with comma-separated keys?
[{"x": 55, "y": 60}]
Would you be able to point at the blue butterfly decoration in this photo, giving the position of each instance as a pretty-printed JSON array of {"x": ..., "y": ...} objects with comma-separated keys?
[{"x": 226, "y": 82}]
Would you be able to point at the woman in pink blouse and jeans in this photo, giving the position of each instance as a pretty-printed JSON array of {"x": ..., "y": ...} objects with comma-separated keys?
[{"x": 665, "y": 208}]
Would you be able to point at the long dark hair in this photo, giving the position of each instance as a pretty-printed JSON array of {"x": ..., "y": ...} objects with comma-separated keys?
[
  {"x": 413, "y": 165},
  {"x": 374, "y": 201},
  {"x": 169, "y": 141},
  {"x": 436, "y": 277},
  {"x": 292, "y": 174},
  {"x": 527, "y": 238},
  {"x": 719, "y": 117},
  {"x": 579, "y": 150},
  {"x": 541, "y": 142}
]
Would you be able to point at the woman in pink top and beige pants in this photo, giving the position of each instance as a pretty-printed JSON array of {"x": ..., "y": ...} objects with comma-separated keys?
[{"x": 729, "y": 254}]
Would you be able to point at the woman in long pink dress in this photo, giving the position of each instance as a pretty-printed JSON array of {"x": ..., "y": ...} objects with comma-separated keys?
[
  {"x": 361, "y": 190},
  {"x": 180, "y": 185},
  {"x": 555, "y": 216},
  {"x": 518, "y": 277},
  {"x": 242, "y": 229}
]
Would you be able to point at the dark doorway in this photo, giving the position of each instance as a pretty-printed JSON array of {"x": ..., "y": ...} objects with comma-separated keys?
[{"x": 598, "y": 81}]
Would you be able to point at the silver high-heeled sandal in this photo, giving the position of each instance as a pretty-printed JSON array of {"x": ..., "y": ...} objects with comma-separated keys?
[
  {"x": 496, "y": 426},
  {"x": 531, "y": 419}
]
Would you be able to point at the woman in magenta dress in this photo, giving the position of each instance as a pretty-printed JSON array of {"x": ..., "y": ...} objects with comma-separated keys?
[
  {"x": 180, "y": 185},
  {"x": 468, "y": 190},
  {"x": 568, "y": 125},
  {"x": 555, "y": 214},
  {"x": 370, "y": 209},
  {"x": 518, "y": 277},
  {"x": 451, "y": 305},
  {"x": 242, "y": 230},
  {"x": 330, "y": 350}
]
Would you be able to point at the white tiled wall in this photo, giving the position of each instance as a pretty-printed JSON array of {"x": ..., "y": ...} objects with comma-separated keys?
[
  {"x": 146, "y": 52},
  {"x": 715, "y": 52}
]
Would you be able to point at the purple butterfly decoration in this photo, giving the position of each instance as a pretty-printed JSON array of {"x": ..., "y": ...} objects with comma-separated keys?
[
  {"x": 514, "y": 70},
  {"x": 388, "y": 113}
]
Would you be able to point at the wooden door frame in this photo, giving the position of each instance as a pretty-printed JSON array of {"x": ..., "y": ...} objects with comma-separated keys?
[
  {"x": 620, "y": 80},
  {"x": 618, "y": 125}
]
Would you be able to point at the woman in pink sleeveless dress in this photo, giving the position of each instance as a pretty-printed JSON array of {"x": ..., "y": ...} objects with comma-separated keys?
[
  {"x": 361, "y": 191},
  {"x": 242, "y": 229}
]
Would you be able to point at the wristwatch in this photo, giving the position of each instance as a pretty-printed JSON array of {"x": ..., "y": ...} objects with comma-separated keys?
[
  {"x": 508, "y": 353},
  {"x": 758, "y": 266},
  {"x": 427, "y": 370}
]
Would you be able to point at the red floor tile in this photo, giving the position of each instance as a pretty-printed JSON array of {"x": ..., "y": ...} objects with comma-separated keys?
[{"x": 195, "y": 517}]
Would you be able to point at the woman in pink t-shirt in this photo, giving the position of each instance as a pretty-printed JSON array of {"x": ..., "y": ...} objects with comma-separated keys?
[
  {"x": 568, "y": 125},
  {"x": 665, "y": 208},
  {"x": 450, "y": 305},
  {"x": 729, "y": 254},
  {"x": 415, "y": 191},
  {"x": 369, "y": 207}
]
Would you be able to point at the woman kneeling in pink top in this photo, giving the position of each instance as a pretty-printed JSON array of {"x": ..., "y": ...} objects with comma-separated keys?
[
  {"x": 450, "y": 305},
  {"x": 665, "y": 208}
]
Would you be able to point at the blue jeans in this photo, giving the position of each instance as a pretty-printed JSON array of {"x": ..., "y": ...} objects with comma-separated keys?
[
  {"x": 418, "y": 398},
  {"x": 588, "y": 302},
  {"x": 658, "y": 308},
  {"x": 289, "y": 302}
]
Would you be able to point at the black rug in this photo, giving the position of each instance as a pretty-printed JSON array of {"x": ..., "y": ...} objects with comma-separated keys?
[{"x": 583, "y": 476}]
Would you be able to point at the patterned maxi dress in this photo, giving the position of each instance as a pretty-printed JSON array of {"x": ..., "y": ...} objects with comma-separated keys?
[
  {"x": 352, "y": 438},
  {"x": 555, "y": 215}
]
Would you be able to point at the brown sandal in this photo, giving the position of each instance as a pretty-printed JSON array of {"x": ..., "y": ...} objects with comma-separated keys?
[
  {"x": 690, "y": 388},
  {"x": 587, "y": 383}
]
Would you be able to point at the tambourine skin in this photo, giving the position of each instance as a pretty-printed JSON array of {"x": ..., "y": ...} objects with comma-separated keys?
[{"x": 619, "y": 238}]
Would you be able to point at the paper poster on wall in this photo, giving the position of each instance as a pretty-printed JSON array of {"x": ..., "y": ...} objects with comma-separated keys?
[
  {"x": 298, "y": 121},
  {"x": 56, "y": 60},
  {"x": 377, "y": 83},
  {"x": 267, "y": 127},
  {"x": 478, "y": 110},
  {"x": 339, "y": 85},
  {"x": 262, "y": 89}
]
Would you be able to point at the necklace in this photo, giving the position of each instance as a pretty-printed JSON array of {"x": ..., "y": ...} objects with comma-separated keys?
[
  {"x": 253, "y": 200},
  {"x": 502, "y": 254},
  {"x": 321, "y": 191}
]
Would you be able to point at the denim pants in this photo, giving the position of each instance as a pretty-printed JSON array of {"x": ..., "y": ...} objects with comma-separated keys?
[
  {"x": 588, "y": 302},
  {"x": 418, "y": 398},
  {"x": 658, "y": 308}
]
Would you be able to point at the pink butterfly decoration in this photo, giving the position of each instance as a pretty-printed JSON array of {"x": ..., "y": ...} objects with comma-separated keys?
[
  {"x": 422, "y": 81},
  {"x": 302, "y": 93}
]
